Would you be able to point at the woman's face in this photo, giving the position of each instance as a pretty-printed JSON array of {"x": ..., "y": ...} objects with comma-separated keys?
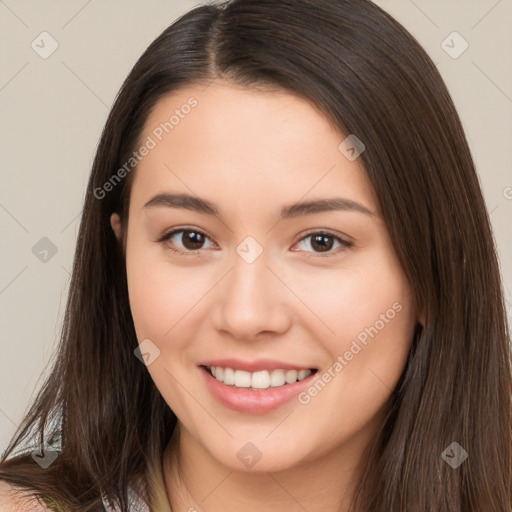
[{"x": 260, "y": 284}]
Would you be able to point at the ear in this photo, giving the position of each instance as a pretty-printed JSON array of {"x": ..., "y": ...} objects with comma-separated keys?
[{"x": 115, "y": 222}]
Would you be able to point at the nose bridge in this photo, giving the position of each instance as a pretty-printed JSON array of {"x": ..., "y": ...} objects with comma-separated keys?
[
  {"x": 249, "y": 279},
  {"x": 249, "y": 299}
]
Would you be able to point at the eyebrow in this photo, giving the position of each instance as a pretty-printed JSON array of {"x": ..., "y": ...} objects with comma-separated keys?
[{"x": 291, "y": 211}]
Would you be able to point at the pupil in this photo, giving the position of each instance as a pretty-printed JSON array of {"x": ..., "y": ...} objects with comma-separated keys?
[
  {"x": 323, "y": 242},
  {"x": 195, "y": 240},
  {"x": 191, "y": 238}
]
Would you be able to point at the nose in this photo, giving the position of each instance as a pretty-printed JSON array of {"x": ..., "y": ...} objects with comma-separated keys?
[{"x": 252, "y": 301}]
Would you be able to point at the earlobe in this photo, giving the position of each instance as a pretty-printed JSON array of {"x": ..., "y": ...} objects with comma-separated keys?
[{"x": 115, "y": 222}]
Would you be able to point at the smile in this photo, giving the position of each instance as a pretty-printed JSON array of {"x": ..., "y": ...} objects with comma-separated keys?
[
  {"x": 258, "y": 391},
  {"x": 262, "y": 379}
]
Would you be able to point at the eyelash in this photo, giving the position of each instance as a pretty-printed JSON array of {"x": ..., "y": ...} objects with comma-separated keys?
[{"x": 165, "y": 237}]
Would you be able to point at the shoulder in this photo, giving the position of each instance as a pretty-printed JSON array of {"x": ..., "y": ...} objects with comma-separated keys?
[{"x": 14, "y": 500}]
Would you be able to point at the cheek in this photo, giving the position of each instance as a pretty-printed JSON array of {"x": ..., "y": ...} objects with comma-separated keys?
[
  {"x": 370, "y": 315},
  {"x": 162, "y": 302},
  {"x": 352, "y": 299},
  {"x": 160, "y": 296}
]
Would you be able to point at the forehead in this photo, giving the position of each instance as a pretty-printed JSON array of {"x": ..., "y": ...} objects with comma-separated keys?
[{"x": 245, "y": 145}]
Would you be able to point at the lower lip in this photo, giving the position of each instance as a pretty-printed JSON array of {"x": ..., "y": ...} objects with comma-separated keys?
[{"x": 254, "y": 402}]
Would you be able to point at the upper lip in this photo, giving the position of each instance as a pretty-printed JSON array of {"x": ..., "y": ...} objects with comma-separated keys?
[{"x": 256, "y": 365}]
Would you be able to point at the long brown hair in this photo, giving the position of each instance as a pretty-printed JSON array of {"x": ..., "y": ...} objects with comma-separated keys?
[{"x": 369, "y": 77}]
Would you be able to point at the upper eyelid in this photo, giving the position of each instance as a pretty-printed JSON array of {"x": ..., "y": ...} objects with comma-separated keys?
[
  {"x": 308, "y": 233},
  {"x": 173, "y": 232}
]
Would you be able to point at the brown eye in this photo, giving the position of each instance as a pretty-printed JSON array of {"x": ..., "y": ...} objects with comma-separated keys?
[
  {"x": 192, "y": 240},
  {"x": 322, "y": 242},
  {"x": 185, "y": 241}
]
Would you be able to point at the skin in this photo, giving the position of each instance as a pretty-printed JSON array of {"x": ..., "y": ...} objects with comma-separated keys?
[
  {"x": 16, "y": 500},
  {"x": 251, "y": 153}
]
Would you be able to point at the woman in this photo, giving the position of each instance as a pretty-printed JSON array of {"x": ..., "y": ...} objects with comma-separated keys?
[{"x": 285, "y": 294}]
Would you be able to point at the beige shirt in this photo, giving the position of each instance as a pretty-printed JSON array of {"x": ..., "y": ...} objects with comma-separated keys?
[{"x": 162, "y": 503}]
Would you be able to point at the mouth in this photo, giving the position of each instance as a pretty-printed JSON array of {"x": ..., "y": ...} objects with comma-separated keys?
[
  {"x": 259, "y": 380},
  {"x": 255, "y": 387}
]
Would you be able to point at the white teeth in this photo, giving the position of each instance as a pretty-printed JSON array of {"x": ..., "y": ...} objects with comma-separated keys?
[
  {"x": 277, "y": 378},
  {"x": 258, "y": 380},
  {"x": 242, "y": 379},
  {"x": 229, "y": 376},
  {"x": 302, "y": 374},
  {"x": 290, "y": 376}
]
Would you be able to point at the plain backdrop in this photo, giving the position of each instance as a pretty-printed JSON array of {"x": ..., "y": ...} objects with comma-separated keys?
[{"x": 54, "y": 108}]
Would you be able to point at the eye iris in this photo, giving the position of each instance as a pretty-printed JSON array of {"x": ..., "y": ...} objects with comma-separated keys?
[
  {"x": 193, "y": 238},
  {"x": 322, "y": 242}
]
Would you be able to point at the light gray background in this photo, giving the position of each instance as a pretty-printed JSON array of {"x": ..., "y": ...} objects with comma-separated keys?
[{"x": 53, "y": 111}]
